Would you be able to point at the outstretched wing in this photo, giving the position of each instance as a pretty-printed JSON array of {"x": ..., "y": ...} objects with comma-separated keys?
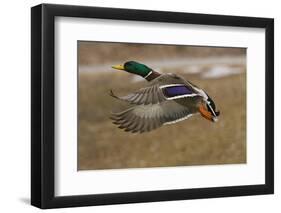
[
  {"x": 165, "y": 87},
  {"x": 144, "y": 118},
  {"x": 148, "y": 95},
  {"x": 156, "y": 94}
]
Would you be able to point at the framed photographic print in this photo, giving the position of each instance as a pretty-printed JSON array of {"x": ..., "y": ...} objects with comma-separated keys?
[{"x": 139, "y": 106}]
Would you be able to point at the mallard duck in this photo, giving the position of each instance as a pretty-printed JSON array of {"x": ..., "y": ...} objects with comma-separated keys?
[{"x": 167, "y": 99}]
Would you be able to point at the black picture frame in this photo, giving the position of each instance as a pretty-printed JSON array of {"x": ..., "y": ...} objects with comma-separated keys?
[{"x": 43, "y": 102}]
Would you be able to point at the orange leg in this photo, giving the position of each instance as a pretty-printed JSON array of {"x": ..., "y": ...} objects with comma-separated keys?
[{"x": 205, "y": 113}]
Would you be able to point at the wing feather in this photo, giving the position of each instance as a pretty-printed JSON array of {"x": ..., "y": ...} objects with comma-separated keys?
[
  {"x": 147, "y": 95},
  {"x": 144, "y": 118},
  {"x": 159, "y": 91}
]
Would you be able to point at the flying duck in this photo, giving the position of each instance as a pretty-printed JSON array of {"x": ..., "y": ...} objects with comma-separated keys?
[{"x": 167, "y": 99}]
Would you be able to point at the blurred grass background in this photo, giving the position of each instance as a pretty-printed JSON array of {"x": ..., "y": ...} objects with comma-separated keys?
[{"x": 196, "y": 141}]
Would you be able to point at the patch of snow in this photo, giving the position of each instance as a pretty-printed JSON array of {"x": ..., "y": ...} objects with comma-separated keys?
[
  {"x": 193, "y": 69},
  {"x": 221, "y": 71}
]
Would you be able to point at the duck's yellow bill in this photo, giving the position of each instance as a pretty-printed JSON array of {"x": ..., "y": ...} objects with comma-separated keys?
[{"x": 118, "y": 67}]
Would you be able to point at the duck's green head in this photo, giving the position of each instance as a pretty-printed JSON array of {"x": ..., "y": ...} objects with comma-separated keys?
[{"x": 134, "y": 67}]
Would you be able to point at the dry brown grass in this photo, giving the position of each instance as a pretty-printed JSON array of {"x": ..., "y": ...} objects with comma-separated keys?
[{"x": 195, "y": 141}]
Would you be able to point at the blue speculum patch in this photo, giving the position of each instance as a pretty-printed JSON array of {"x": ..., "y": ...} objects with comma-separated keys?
[{"x": 177, "y": 90}]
